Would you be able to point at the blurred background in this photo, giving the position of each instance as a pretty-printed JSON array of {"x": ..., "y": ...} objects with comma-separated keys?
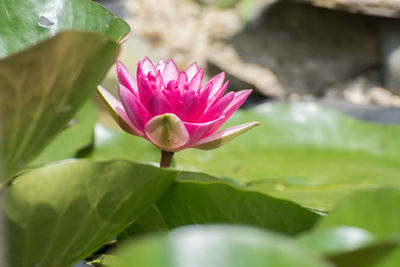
[{"x": 341, "y": 53}]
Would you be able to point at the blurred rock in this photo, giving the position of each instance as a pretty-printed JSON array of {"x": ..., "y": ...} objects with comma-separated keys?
[
  {"x": 225, "y": 58},
  {"x": 390, "y": 32},
  {"x": 356, "y": 96},
  {"x": 383, "y": 97},
  {"x": 117, "y": 7},
  {"x": 372, "y": 113},
  {"x": 183, "y": 30},
  {"x": 375, "y": 95},
  {"x": 307, "y": 47},
  {"x": 288, "y": 50},
  {"x": 389, "y": 36},
  {"x": 382, "y": 8},
  {"x": 188, "y": 31}
]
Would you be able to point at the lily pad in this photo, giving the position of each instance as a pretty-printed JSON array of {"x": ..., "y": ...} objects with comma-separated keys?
[
  {"x": 115, "y": 144},
  {"x": 349, "y": 246},
  {"x": 200, "y": 199},
  {"x": 302, "y": 152},
  {"x": 78, "y": 134},
  {"x": 60, "y": 213},
  {"x": 377, "y": 212},
  {"x": 217, "y": 245},
  {"x": 337, "y": 239}
]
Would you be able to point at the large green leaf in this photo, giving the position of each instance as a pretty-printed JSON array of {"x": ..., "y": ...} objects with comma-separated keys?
[
  {"x": 349, "y": 246},
  {"x": 305, "y": 153},
  {"x": 217, "y": 245},
  {"x": 198, "y": 199},
  {"x": 377, "y": 212},
  {"x": 26, "y": 22},
  {"x": 301, "y": 152},
  {"x": 78, "y": 135},
  {"x": 61, "y": 213},
  {"x": 337, "y": 239},
  {"x": 374, "y": 255},
  {"x": 42, "y": 87}
]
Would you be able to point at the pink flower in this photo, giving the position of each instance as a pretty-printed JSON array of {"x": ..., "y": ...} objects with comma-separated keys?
[{"x": 172, "y": 109}]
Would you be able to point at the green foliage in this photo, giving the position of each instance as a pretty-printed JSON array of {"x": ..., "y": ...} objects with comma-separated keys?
[
  {"x": 363, "y": 230},
  {"x": 40, "y": 91},
  {"x": 77, "y": 135},
  {"x": 196, "y": 199},
  {"x": 302, "y": 152},
  {"x": 59, "y": 214},
  {"x": 217, "y": 245},
  {"x": 383, "y": 204},
  {"x": 43, "y": 82},
  {"x": 349, "y": 246},
  {"x": 26, "y": 23}
]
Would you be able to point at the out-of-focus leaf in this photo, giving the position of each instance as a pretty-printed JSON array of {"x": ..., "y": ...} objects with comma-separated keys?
[
  {"x": 377, "y": 212},
  {"x": 42, "y": 87},
  {"x": 116, "y": 144},
  {"x": 372, "y": 255},
  {"x": 78, "y": 134},
  {"x": 301, "y": 152},
  {"x": 60, "y": 213},
  {"x": 25, "y": 22},
  {"x": 337, "y": 240},
  {"x": 217, "y": 245},
  {"x": 198, "y": 199},
  {"x": 349, "y": 246},
  {"x": 152, "y": 221}
]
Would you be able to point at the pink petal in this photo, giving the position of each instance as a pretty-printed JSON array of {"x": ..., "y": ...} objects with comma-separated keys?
[
  {"x": 224, "y": 136},
  {"x": 137, "y": 113},
  {"x": 200, "y": 130},
  {"x": 218, "y": 94},
  {"x": 216, "y": 82},
  {"x": 239, "y": 98},
  {"x": 182, "y": 82},
  {"x": 118, "y": 113},
  {"x": 158, "y": 104},
  {"x": 134, "y": 130},
  {"x": 173, "y": 95},
  {"x": 146, "y": 88},
  {"x": 160, "y": 65},
  {"x": 140, "y": 77},
  {"x": 195, "y": 108},
  {"x": 170, "y": 72},
  {"x": 190, "y": 109},
  {"x": 146, "y": 66},
  {"x": 125, "y": 78},
  {"x": 159, "y": 81},
  {"x": 167, "y": 132},
  {"x": 218, "y": 108},
  {"x": 195, "y": 82},
  {"x": 191, "y": 71}
]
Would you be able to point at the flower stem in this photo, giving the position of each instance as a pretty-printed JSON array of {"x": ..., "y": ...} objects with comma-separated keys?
[{"x": 166, "y": 158}]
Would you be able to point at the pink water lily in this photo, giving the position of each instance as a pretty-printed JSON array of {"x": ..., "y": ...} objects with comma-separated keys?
[{"x": 172, "y": 109}]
